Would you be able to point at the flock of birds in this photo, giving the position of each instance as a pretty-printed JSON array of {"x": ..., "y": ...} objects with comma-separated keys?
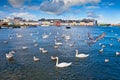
[{"x": 58, "y": 43}]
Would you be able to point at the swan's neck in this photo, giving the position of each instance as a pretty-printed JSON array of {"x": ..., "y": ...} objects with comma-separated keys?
[
  {"x": 76, "y": 52},
  {"x": 57, "y": 61}
]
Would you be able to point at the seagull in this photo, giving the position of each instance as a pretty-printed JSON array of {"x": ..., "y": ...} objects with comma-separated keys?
[{"x": 94, "y": 40}]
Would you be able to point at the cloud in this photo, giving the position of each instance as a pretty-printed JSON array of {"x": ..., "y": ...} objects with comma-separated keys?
[
  {"x": 92, "y": 7},
  {"x": 24, "y": 15},
  {"x": 111, "y": 4},
  {"x": 16, "y": 3},
  {"x": 91, "y": 14},
  {"x": 60, "y": 6}
]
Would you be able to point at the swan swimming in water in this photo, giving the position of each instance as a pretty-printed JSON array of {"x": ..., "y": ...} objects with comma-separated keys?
[
  {"x": 106, "y": 60},
  {"x": 35, "y": 58},
  {"x": 63, "y": 64},
  {"x": 43, "y": 50},
  {"x": 101, "y": 50},
  {"x": 81, "y": 55},
  {"x": 24, "y": 47},
  {"x": 9, "y": 55},
  {"x": 117, "y": 53},
  {"x": 58, "y": 43}
]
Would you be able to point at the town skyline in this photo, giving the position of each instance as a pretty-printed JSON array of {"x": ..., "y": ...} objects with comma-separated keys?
[{"x": 104, "y": 11}]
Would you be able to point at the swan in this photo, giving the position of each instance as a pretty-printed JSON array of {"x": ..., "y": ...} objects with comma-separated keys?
[
  {"x": 44, "y": 51},
  {"x": 81, "y": 55},
  {"x": 100, "y": 44},
  {"x": 117, "y": 53},
  {"x": 9, "y": 55},
  {"x": 35, "y": 58},
  {"x": 56, "y": 46},
  {"x": 111, "y": 44},
  {"x": 10, "y": 37},
  {"x": 63, "y": 64},
  {"x": 58, "y": 43},
  {"x": 31, "y": 34},
  {"x": 41, "y": 49},
  {"x": 106, "y": 60},
  {"x": 101, "y": 50},
  {"x": 34, "y": 41},
  {"x": 67, "y": 37},
  {"x": 36, "y": 45},
  {"x": 24, "y": 47},
  {"x": 5, "y": 42},
  {"x": 103, "y": 46},
  {"x": 44, "y": 36},
  {"x": 19, "y": 36}
]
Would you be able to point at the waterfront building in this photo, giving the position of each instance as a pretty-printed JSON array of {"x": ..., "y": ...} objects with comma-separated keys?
[{"x": 88, "y": 22}]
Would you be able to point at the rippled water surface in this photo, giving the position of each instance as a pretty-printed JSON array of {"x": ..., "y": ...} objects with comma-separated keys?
[{"x": 91, "y": 68}]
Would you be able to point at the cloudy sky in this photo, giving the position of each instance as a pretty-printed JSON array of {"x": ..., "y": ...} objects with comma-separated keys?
[{"x": 105, "y": 11}]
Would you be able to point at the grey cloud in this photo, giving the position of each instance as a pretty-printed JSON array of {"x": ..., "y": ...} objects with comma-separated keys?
[{"x": 53, "y": 7}]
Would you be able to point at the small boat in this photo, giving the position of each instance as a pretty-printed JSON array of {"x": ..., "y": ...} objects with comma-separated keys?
[{"x": 68, "y": 27}]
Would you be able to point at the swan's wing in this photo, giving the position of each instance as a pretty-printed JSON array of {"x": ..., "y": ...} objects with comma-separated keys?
[
  {"x": 90, "y": 43},
  {"x": 90, "y": 37},
  {"x": 100, "y": 36}
]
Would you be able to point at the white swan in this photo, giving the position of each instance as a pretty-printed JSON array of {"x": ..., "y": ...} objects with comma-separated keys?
[
  {"x": 5, "y": 42},
  {"x": 19, "y": 36},
  {"x": 67, "y": 37},
  {"x": 31, "y": 34},
  {"x": 106, "y": 60},
  {"x": 36, "y": 45},
  {"x": 24, "y": 47},
  {"x": 43, "y": 50},
  {"x": 56, "y": 46},
  {"x": 58, "y": 43},
  {"x": 63, "y": 64},
  {"x": 117, "y": 53},
  {"x": 9, "y": 56},
  {"x": 35, "y": 58},
  {"x": 101, "y": 50},
  {"x": 81, "y": 55},
  {"x": 34, "y": 41},
  {"x": 111, "y": 44},
  {"x": 103, "y": 46},
  {"x": 44, "y": 36}
]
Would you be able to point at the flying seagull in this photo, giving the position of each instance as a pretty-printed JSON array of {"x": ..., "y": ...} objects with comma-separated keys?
[{"x": 94, "y": 40}]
